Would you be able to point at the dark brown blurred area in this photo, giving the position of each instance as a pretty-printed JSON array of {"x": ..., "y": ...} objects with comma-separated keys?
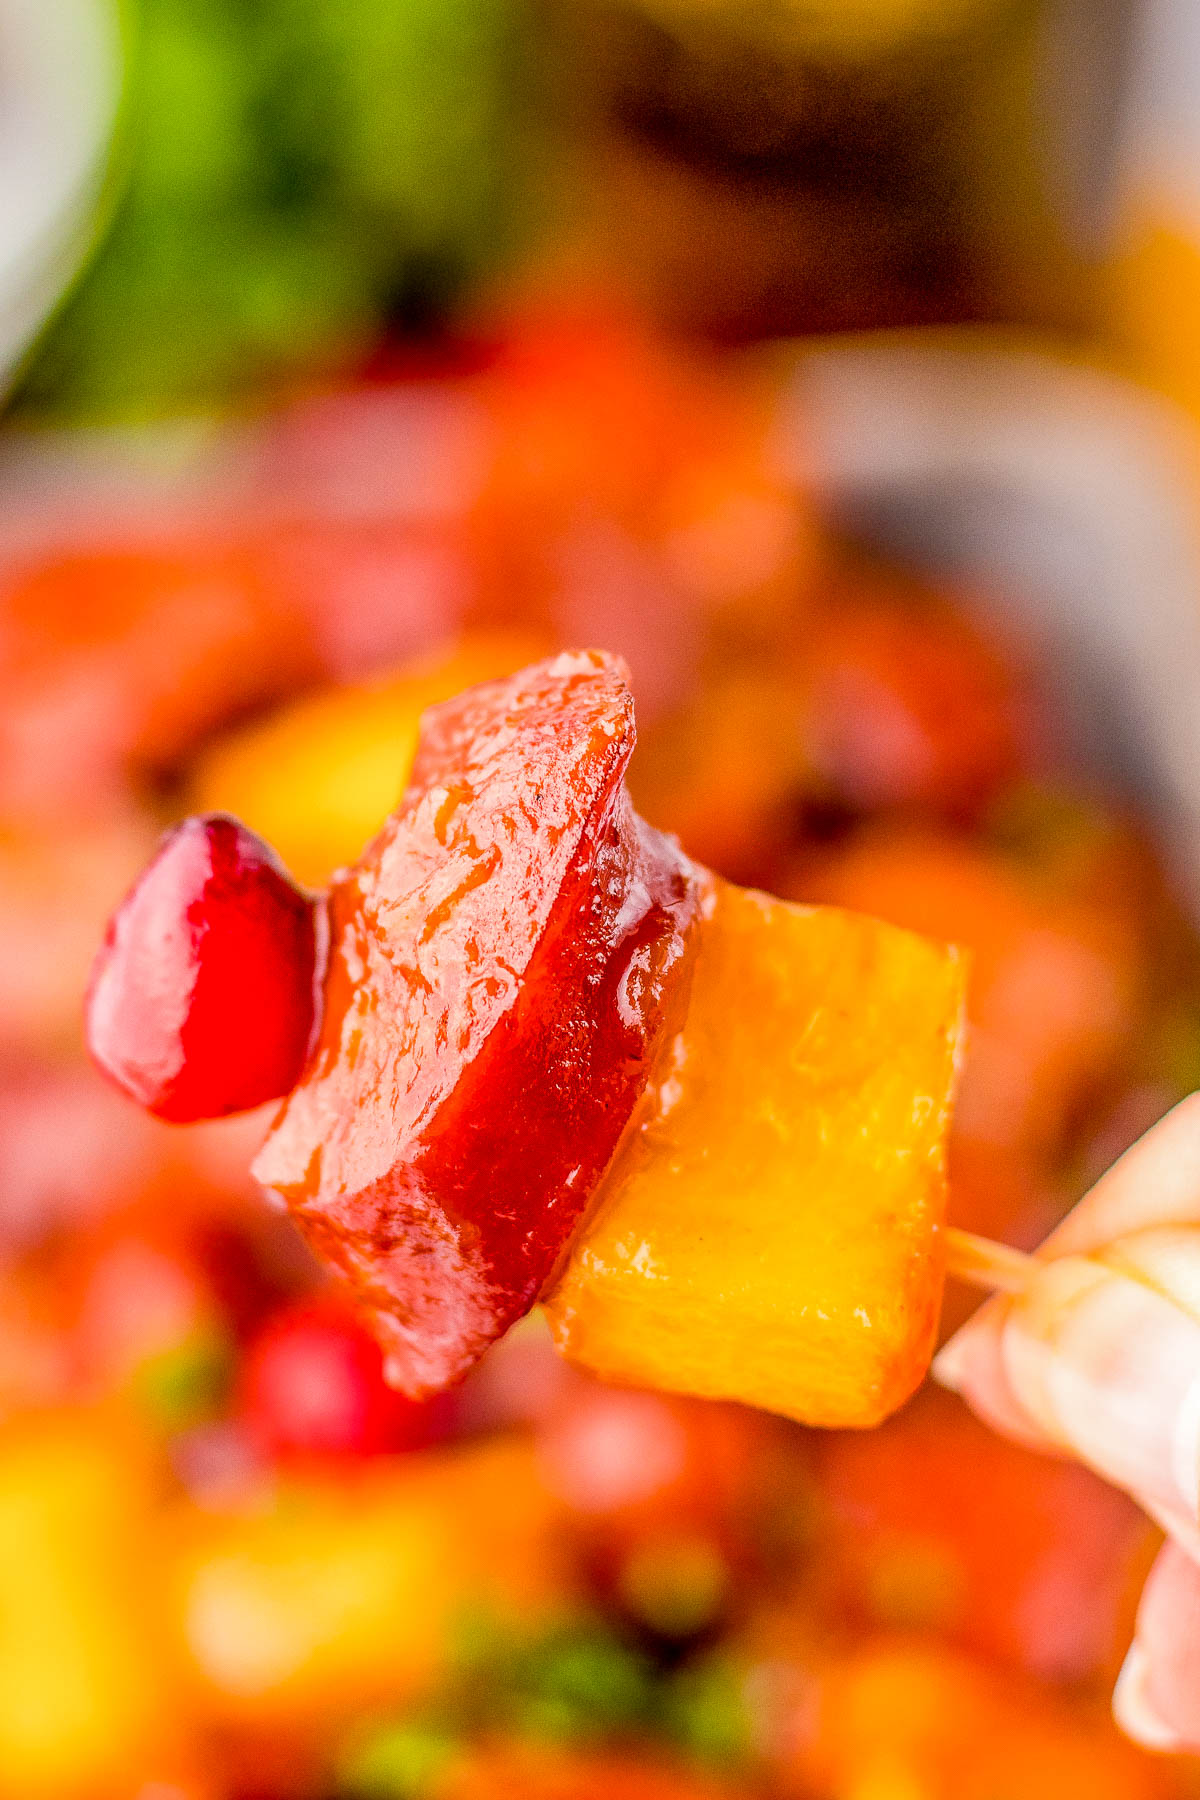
[{"x": 782, "y": 168}]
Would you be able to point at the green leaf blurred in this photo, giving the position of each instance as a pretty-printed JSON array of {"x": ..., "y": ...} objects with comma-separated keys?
[
  {"x": 290, "y": 174},
  {"x": 187, "y": 1383},
  {"x": 706, "y": 1713},
  {"x": 396, "y": 1761}
]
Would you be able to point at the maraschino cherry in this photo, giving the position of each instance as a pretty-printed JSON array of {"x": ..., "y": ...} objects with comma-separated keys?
[
  {"x": 313, "y": 1386},
  {"x": 203, "y": 996}
]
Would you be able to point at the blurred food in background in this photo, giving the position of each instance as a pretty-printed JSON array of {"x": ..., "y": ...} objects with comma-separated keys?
[
  {"x": 443, "y": 278},
  {"x": 286, "y": 179},
  {"x": 288, "y": 182},
  {"x": 793, "y": 166},
  {"x": 1155, "y": 263},
  {"x": 309, "y": 1586}
]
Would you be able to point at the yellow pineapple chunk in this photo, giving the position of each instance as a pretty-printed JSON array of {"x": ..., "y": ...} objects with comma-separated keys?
[{"x": 769, "y": 1229}]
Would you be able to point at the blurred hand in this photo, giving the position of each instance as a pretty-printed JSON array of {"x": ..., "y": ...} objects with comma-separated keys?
[{"x": 1100, "y": 1358}]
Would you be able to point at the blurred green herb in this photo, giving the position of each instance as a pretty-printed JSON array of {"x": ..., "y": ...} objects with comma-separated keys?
[
  {"x": 575, "y": 1682},
  {"x": 705, "y": 1713},
  {"x": 188, "y": 1383},
  {"x": 291, "y": 173},
  {"x": 399, "y": 1760},
  {"x": 574, "y": 1679},
  {"x": 676, "y": 1587},
  {"x": 1053, "y": 834},
  {"x": 579, "y": 1683}
]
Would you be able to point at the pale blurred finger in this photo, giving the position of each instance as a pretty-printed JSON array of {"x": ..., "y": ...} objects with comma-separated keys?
[
  {"x": 1100, "y": 1357},
  {"x": 1108, "y": 1368},
  {"x": 972, "y": 1365},
  {"x": 1153, "y": 1188},
  {"x": 1157, "y": 1698},
  {"x": 1156, "y": 1182}
]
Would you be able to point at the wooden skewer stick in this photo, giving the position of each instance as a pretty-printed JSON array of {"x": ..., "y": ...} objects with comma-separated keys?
[{"x": 985, "y": 1264}]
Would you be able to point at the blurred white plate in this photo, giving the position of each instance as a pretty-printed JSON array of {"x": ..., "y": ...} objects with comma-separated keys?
[
  {"x": 1068, "y": 501},
  {"x": 60, "y": 81}
]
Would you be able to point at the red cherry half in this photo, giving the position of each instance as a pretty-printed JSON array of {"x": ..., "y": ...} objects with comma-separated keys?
[
  {"x": 203, "y": 996},
  {"x": 313, "y": 1386}
]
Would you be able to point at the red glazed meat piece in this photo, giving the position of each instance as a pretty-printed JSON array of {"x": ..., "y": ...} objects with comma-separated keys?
[
  {"x": 503, "y": 962},
  {"x": 202, "y": 996}
]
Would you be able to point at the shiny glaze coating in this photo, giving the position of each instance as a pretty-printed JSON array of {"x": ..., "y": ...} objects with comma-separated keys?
[
  {"x": 202, "y": 996},
  {"x": 504, "y": 960}
]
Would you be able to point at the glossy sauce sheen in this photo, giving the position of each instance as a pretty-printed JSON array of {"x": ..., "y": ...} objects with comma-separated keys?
[
  {"x": 202, "y": 996},
  {"x": 504, "y": 960}
]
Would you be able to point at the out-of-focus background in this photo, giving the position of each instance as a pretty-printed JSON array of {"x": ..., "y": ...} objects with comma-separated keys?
[{"x": 838, "y": 362}]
